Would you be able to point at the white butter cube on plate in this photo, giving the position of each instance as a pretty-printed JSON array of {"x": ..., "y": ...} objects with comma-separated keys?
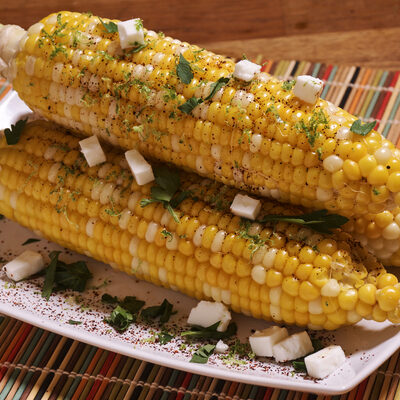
[
  {"x": 92, "y": 151},
  {"x": 131, "y": 33},
  {"x": 245, "y": 70},
  {"x": 25, "y": 265},
  {"x": 262, "y": 342},
  {"x": 294, "y": 346},
  {"x": 140, "y": 168},
  {"x": 308, "y": 88},
  {"x": 245, "y": 206},
  {"x": 322, "y": 363},
  {"x": 208, "y": 313}
]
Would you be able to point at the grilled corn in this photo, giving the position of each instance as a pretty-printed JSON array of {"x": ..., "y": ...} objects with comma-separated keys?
[
  {"x": 257, "y": 135},
  {"x": 276, "y": 271}
]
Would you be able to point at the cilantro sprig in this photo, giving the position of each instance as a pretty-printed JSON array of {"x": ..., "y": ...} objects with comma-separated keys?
[
  {"x": 60, "y": 276},
  {"x": 13, "y": 134},
  {"x": 362, "y": 129},
  {"x": 166, "y": 191},
  {"x": 320, "y": 220},
  {"x": 199, "y": 332},
  {"x": 110, "y": 27},
  {"x": 202, "y": 355},
  {"x": 184, "y": 70}
]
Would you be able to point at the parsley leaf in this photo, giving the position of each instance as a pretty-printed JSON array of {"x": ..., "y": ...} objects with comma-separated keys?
[
  {"x": 216, "y": 86},
  {"x": 29, "y": 241},
  {"x": 184, "y": 70},
  {"x": 199, "y": 332},
  {"x": 287, "y": 85},
  {"x": 202, "y": 355},
  {"x": 164, "y": 311},
  {"x": 108, "y": 299},
  {"x": 319, "y": 220},
  {"x": 72, "y": 322},
  {"x": 50, "y": 275},
  {"x": 166, "y": 191},
  {"x": 120, "y": 319},
  {"x": 13, "y": 134},
  {"x": 190, "y": 104},
  {"x": 59, "y": 275},
  {"x": 132, "y": 304},
  {"x": 110, "y": 27},
  {"x": 164, "y": 337},
  {"x": 362, "y": 129}
]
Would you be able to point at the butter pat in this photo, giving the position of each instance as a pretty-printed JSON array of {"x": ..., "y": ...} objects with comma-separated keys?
[
  {"x": 294, "y": 346},
  {"x": 262, "y": 342},
  {"x": 245, "y": 70},
  {"x": 140, "y": 168},
  {"x": 130, "y": 33},
  {"x": 25, "y": 265},
  {"x": 245, "y": 206},
  {"x": 92, "y": 151},
  {"x": 322, "y": 363},
  {"x": 208, "y": 313},
  {"x": 308, "y": 88}
]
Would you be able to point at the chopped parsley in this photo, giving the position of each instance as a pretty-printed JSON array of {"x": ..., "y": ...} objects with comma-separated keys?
[
  {"x": 273, "y": 110},
  {"x": 362, "y": 129},
  {"x": 288, "y": 85},
  {"x": 166, "y": 234},
  {"x": 120, "y": 319},
  {"x": 58, "y": 48},
  {"x": 184, "y": 70},
  {"x": 72, "y": 322},
  {"x": 256, "y": 241},
  {"x": 164, "y": 337},
  {"x": 166, "y": 191},
  {"x": 202, "y": 355},
  {"x": 163, "y": 311},
  {"x": 60, "y": 276},
  {"x": 376, "y": 192},
  {"x": 199, "y": 332},
  {"x": 30, "y": 240},
  {"x": 311, "y": 129},
  {"x": 216, "y": 86},
  {"x": 320, "y": 220},
  {"x": 13, "y": 135},
  {"x": 110, "y": 27}
]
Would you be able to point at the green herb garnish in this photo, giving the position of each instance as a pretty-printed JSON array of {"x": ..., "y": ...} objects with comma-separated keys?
[
  {"x": 59, "y": 275},
  {"x": 164, "y": 337},
  {"x": 166, "y": 191},
  {"x": 362, "y": 129},
  {"x": 110, "y": 27},
  {"x": 376, "y": 192},
  {"x": 132, "y": 304},
  {"x": 108, "y": 299},
  {"x": 288, "y": 85},
  {"x": 164, "y": 311},
  {"x": 202, "y": 355},
  {"x": 13, "y": 134},
  {"x": 72, "y": 322},
  {"x": 120, "y": 319},
  {"x": 166, "y": 234},
  {"x": 190, "y": 104},
  {"x": 184, "y": 70},
  {"x": 199, "y": 332},
  {"x": 319, "y": 220},
  {"x": 216, "y": 86},
  {"x": 311, "y": 129},
  {"x": 29, "y": 241}
]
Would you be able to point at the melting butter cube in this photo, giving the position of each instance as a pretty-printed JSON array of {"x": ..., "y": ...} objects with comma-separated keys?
[
  {"x": 245, "y": 70},
  {"x": 92, "y": 151},
  {"x": 25, "y": 265},
  {"x": 130, "y": 33},
  {"x": 308, "y": 88},
  {"x": 208, "y": 313},
  {"x": 140, "y": 168},
  {"x": 245, "y": 206}
]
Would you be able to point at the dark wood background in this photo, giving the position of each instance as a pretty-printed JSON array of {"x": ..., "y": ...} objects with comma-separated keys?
[{"x": 364, "y": 32}]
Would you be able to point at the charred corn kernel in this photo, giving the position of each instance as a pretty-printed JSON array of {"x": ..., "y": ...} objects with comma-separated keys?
[
  {"x": 94, "y": 87},
  {"x": 315, "y": 280}
]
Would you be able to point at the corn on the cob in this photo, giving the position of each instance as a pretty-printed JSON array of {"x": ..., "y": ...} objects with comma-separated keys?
[
  {"x": 256, "y": 136},
  {"x": 380, "y": 233},
  {"x": 276, "y": 271}
]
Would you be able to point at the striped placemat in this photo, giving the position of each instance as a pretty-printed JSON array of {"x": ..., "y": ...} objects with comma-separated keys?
[{"x": 36, "y": 364}]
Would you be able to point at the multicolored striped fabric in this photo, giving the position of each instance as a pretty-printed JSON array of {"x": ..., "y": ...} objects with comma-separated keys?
[{"x": 36, "y": 364}]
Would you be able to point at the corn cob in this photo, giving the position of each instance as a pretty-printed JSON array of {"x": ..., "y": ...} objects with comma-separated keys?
[
  {"x": 256, "y": 136},
  {"x": 281, "y": 272},
  {"x": 379, "y": 233}
]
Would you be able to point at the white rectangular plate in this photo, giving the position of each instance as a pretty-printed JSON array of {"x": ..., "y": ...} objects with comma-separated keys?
[{"x": 367, "y": 344}]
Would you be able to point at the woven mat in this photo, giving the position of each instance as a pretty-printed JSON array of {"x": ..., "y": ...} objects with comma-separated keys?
[{"x": 36, "y": 364}]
